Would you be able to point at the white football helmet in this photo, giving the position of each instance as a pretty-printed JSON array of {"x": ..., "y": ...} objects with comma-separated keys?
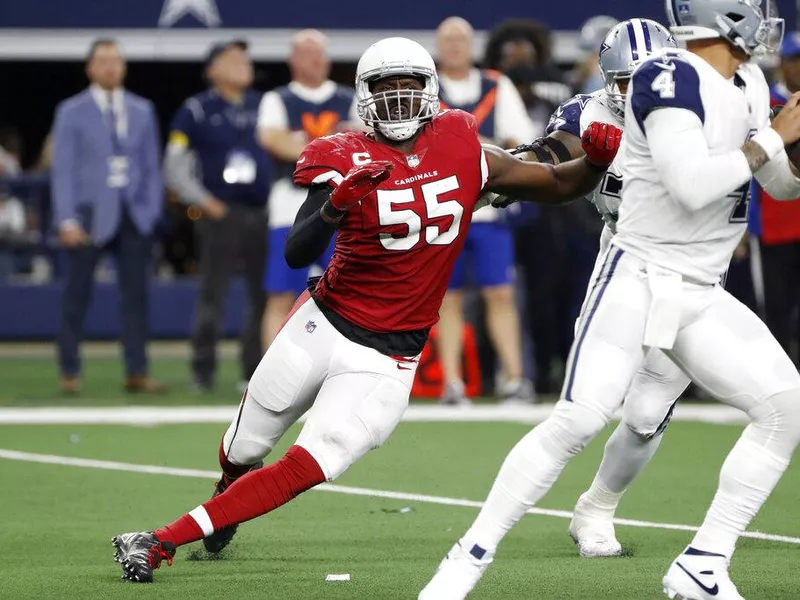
[
  {"x": 626, "y": 46},
  {"x": 751, "y": 25},
  {"x": 392, "y": 57}
]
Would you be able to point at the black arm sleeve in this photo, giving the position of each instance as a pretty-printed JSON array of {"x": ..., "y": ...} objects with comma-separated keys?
[{"x": 310, "y": 235}]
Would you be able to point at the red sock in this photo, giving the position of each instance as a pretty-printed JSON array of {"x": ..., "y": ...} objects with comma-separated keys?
[
  {"x": 182, "y": 531},
  {"x": 256, "y": 493}
]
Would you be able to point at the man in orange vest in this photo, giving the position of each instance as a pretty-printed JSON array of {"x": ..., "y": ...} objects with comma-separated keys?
[
  {"x": 777, "y": 227},
  {"x": 310, "y": 106},
  {"x": 488, "y": 256}
]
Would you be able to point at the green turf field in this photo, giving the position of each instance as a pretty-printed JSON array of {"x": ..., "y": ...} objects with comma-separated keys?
[
  {"x": 34, "y": 381},
  {"x": 58, "y": 520}
]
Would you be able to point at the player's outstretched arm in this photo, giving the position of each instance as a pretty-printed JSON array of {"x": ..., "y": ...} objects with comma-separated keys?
[
  {"x": 557, "y": 147},
  {"x": 539, "y": 182}
]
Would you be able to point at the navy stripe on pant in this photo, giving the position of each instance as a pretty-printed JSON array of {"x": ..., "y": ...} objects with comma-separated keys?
[{"x": 609, "y": 266}]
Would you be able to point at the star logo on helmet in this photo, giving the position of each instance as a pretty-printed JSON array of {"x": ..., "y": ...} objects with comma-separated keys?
[{"x": 604, "y": 48}]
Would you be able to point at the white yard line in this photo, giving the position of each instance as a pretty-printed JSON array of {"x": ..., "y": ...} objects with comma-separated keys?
[
  {"x": 343, "y": 489},
  {"x": 417, "y": 413}
]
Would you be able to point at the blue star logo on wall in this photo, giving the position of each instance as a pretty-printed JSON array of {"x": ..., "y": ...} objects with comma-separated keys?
[{"x": 204, "y": 11}]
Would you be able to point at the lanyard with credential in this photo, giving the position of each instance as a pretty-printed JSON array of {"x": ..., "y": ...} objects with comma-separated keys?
[
  {"x": 240, "y": 168},
  {"x": 118, "y": 163}
]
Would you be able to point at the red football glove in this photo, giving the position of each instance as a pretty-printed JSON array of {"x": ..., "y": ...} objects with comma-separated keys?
[
  {"x": 359, "y": 183},
  {"x": 600, "y": 142}
]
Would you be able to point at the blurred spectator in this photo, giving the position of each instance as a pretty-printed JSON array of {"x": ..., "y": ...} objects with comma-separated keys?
[
  {"x": 586, "y": 76},
  {"x": 775, "y": 229},
  {"x": 549, "y": 241},
  {"x": 12, "y": 232},
  {"x": 290, "y": 116},
  {"x": 45, "y": 160},
  {"x": 488, "y": 255},
  {"x": 520, "y": 48},
  {"x": 214, "y": 132},
  {"x": 10, "y": 151},
  {"x": 107, "y": 196}
]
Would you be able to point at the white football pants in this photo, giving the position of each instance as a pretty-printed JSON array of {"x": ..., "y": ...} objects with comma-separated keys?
[
  {"x": 720, "y": 344},
  {"x": 355, "y": 394},
  {"x": 657, "y": 384}
]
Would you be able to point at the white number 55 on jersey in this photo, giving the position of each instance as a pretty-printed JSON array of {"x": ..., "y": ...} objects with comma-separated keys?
[{"x": 389, "y": 214}]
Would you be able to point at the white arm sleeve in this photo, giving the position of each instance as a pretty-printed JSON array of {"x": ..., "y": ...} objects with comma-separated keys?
[
  {"x": 512, "y": 119},
  {"x": 692, "y": 175},
  {"x": 272, "y": 112},
  {"x": 777, "y": 179}
]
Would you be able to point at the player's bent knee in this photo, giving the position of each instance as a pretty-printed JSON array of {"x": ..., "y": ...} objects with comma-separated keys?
[
  {"x": 776, "y": 422},
  {"x": 646, "y": 429},
  {"x": 643, "y": 423},
  {"x": 247, "y": 450},
  {"x": 246, "y": 442},
  {"x": 340, "y": 441},
  {"x": 332, "y": 452},
  {"x": 572, "y": 426}
]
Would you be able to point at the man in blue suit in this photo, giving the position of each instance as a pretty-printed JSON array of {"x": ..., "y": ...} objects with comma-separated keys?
[{"x": 107, "y": 196}]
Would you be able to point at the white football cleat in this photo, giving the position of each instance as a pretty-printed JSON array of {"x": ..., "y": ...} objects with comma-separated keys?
[
  {"x": 458, "y": 574},
  {"x": 699, "y": 575},
  {"x": 593, "y": 531}
]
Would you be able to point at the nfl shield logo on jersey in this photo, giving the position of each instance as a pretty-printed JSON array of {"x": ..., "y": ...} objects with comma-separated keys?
[
  {"x": 311, "y": 326},
  {"x": 413, "y": 161}
]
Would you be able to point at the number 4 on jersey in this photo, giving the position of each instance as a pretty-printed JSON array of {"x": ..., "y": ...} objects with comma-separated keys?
[{"x": 664, "y": 84}]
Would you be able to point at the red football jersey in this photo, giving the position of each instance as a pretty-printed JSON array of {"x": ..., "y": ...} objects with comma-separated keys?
[{"x": 395, "y": 251}]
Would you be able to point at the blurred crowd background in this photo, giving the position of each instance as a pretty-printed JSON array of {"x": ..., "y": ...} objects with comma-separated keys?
[{"x": 144, "y": 191}]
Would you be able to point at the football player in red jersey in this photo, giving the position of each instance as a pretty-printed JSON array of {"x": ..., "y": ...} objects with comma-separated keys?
[{"x": 401, "y": 199}]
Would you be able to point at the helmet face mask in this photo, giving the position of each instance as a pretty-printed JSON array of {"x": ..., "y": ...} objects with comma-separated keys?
[
  {"x": 752, "y": 26},
  {"x": 397, "y": 88},
  {"x": 396, "y": 103},
  {"x": 627, "y": 46}
]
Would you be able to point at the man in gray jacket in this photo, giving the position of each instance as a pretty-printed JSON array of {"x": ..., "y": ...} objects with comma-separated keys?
[{"x": 107, "y": 196}]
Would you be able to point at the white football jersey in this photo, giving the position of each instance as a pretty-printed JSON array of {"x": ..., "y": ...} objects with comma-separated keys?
[
  {"x": 574, "y": 116},
  {"x": 653, "y": 225}
]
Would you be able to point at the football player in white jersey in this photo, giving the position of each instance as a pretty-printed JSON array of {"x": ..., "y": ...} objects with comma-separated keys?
[
  {"x": 697, "y": 130},
  {"x": 659, "y": 382}
]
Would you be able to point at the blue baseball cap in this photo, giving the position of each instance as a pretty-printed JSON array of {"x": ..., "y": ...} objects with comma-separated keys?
[
  {"x": 221, "y": 47},
  {"x": 791, "y": 45}
]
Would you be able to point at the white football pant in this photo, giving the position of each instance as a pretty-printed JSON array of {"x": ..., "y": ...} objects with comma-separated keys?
[
  {"x": 657, "y": 384},
  {"x": 720, "y": 344},
  {"x": 355, "y": 394}
]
